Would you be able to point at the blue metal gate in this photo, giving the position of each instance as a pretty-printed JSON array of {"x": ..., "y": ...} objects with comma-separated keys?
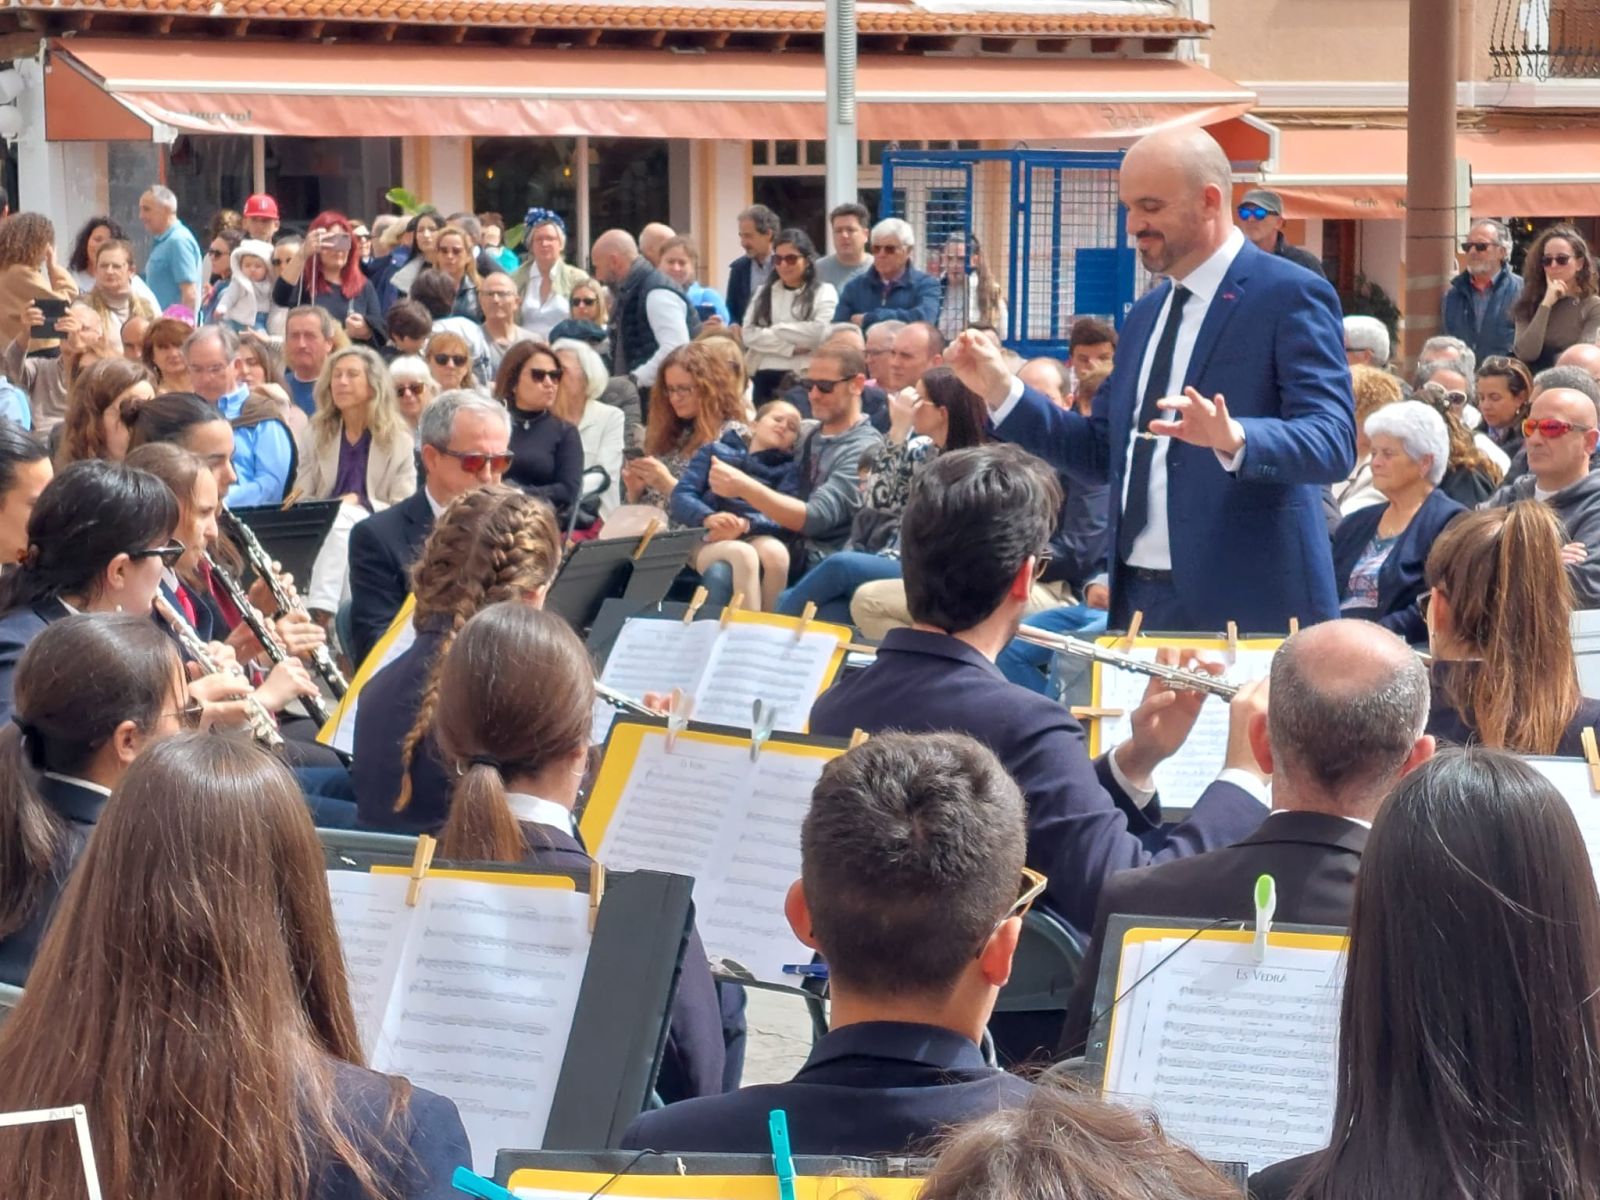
[{"x": 1049, "y": 224}]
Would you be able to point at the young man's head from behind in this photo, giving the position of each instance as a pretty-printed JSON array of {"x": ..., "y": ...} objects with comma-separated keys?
[{"x": 911, "y": 859}]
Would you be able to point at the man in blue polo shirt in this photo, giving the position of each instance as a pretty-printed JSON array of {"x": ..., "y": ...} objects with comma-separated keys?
[{"x": 173, "y": 269}]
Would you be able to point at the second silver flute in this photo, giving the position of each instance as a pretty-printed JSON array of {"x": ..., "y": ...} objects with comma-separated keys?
[
  {"x": 261, "y": 724},
  {"x": 1179, "y": 677}
]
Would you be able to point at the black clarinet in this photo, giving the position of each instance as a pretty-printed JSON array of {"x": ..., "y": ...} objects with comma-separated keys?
[{"x": 263, "y": 631}]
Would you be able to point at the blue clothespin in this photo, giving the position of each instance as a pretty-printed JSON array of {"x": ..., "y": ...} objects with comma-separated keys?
[
  {"x": 807, "y": 970},
  {"x": 464, "y": 1180},
  {"x": 1266, "y": 905},
  {"x": 782, "y": 1159},
  {"x": 763, "y": 720}
]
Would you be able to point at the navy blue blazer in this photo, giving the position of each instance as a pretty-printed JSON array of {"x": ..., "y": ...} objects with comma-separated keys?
[
  {"x": 1251, "y": 546},
  {"x": 389, "y": 705},
  {"x": 1081, "y": 827},
  {"x": 383, "y": 549},
  {"x": 739, "y": 291},
  {"x": 1400, "y": 579},
  {"x": 79, "y": 805},
  {"x": 692, "y": 1062},
  {"x": 416, "y": 1151},
  {"x": 873, "y": 1089},
  {"x": 17, "y": 629}
]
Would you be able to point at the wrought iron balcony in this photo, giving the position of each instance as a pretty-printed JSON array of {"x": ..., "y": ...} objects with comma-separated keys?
[{"x": 1546, "y": 39}]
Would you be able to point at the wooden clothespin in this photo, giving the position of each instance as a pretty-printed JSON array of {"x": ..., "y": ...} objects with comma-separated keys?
[
  {"x": 696, "y": 603},
  {"x": 290, "y": 500},
  {"x": 597, "y": 891},
  {"x": 1294, "y": 626},
  {"x": 420, "y": 862},
  {"x": 650, "y": 531},
  {"x": 763, "y": 720},
  {"x": 731, "y": 607},
  {"x": 1133, "y": 630},
  {"x": 1089, "y": 712},
  {"x": 858, "y": 738},
  {"x": 1591, "y": 755},
  {"x": 680, "y": 706},
  {"x": 1233, "y": 641},
  {"x": 806, "y": 614}
]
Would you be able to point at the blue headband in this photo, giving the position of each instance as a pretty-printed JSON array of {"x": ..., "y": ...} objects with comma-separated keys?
[{"x": 543, "y": 216}]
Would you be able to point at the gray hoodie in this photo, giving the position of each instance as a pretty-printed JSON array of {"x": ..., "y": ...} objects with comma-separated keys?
[
  {"x": 830, "y": 483},
  {"x": 1578, "y": 506}
]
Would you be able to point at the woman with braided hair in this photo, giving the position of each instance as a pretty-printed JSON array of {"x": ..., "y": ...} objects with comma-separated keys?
[{"x": 493, "y": 543}]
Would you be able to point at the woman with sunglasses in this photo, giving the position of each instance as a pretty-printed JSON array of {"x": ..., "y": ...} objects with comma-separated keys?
[
  {"x": 326, "y": 271},
  {"x": 449, "y": 358},
  {"x": 588, "y": 303},
  {"x": 92, "y": 690},
  {"x": 458, "y": 259},
  {"x": 1558, "y": 306},
  {"x": 546, "y": 280},
  {"x": 547, "y": 453},
  {"x": 414, "y": 388},
  {"x": 788, "y": 318},
  {"x": 1504, "y": 392},
  {"x": 580, "y": 402},
  {"x": 220, "y": 257}
]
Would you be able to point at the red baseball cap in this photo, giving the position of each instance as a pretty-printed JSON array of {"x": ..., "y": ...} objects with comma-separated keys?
[{"x": 261, "y": 205}]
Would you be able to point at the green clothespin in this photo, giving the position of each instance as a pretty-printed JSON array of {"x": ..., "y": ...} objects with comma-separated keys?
[
  {"x": 1266, "y": 905},
  {"x": 782, "y": 1159}
]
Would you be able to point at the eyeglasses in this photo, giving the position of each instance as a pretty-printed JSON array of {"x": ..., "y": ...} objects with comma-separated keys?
[
  {"x": 1549, "y": 427},
  {"x": 825, "y": 386},
  {"x": 679, "y": 389},
  {"x": 410, "y": 389},
  {"x": 1041, "y": 563},
  {"x": 543, "y": 374},
  {"x": 498, "y": 295},
  {"x": 887, "y": 248},
  {"x": 1556, "y": 260},
  {"x": 362, "y": 235},
  {"x": 1469, "y": 247},
  {"x": 1254, "y": 212},
  {"x": 1033, "y": 884},
  {"x": 189, "y": 715},
  {"x": 788, "y": 260},
  {"x": 473, "y": 461},
  {"x": 450, "y": 360},
  {"x": 168, "y": 554},
  {"x": 283, "y": 260}
]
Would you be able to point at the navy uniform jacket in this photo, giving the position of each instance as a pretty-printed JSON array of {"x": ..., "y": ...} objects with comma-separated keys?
[
  {"x": 1457, "y": 728},
  {"x": 383, "y": 549},
  {"x": 1400, "y": 579},
  {"x": 873, "y": 1089},
  {"x": 1080, "y": 826},
  {"x": 1251, "y": 546},
  {"x": 1312, "y": 856},
  {"x": 79, "y": 804},
  {"x": 18, "y": 628},
  {"x": 416, "y": 1152},
  {"x": 388, "y": 709}
]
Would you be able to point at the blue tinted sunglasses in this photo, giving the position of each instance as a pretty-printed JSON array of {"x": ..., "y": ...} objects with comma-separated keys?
[{"x": 1254, "y": 212}]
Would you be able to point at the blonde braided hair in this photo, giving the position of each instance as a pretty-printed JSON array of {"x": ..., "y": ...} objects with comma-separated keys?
[{"x": 493, "y": 543}]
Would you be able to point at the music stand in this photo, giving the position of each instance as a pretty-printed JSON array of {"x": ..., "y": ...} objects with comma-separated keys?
[{"x": 658, "y": 566}]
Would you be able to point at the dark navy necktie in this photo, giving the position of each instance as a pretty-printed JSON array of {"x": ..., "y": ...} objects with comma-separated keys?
[{"x": 1136, "y": 513}]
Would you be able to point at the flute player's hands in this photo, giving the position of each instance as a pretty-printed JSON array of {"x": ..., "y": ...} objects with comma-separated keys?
[{"x": 1162, "y": 721}]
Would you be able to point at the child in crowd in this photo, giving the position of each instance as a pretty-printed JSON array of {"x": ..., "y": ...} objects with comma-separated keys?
[
  {"x": 761, "y": 564},
  {"x": 248, "y": 298},
  {"x": 410, "y": 326}
]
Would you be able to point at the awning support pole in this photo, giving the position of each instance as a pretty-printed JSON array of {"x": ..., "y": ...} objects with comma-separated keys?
[
  {"x": 1430, "y": 169},
  {"x": 580, "y": 178}
]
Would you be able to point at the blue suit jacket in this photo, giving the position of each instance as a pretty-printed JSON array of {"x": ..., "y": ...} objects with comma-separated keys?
[
  {"x": 1081, "y": 827},
  {"x": 873, "y": 1089},
  {"x": 18, "y": 628},
  {"x": 1251, "y": 546},
  {"x": 1400, "y": 579},
  {"x": 383, "y": 549}
]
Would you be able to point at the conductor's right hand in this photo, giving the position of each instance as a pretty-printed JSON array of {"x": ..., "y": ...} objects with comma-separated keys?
[{"x": 978, "y": 363}]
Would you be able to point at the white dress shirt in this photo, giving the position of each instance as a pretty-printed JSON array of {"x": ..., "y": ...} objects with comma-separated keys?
[{"x": 538, "y": 811}]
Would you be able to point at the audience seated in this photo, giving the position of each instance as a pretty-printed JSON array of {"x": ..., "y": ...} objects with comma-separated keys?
[
  {"x": 698, "y": 400},
  {"x": 911, "y": 872},
  {"x": 1373, "y": 389},
  {"x": 25, "y": 470},
  {"x": 546, "y": 452},
  {"x": 1499, "y": 612},
  {"x": 1344, "y": 721},
  {"x": 1472, "y": 474},
  {"x": 515, "y": 698},
  {"x": 1504, "y": 394},
  {"x": 1468, "y": 1023},
  {"x": 191, "y": 993}
]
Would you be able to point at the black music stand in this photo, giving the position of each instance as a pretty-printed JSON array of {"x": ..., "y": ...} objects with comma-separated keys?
[{"x": 291, "y": 536}]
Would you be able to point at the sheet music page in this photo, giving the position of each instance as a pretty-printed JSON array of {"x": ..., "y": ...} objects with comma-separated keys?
[
  {"x": 344, "y": 737},
  {"x": 765, "y": 662},
  {"x": 1183, "y": 777},
  {"x": 373, "y": 921},
  {"x": 1237, "y": 1057},
  {"x": 1571, "y": 777},
  {"x": 485, "y": 1001},
  {"x": 654, "y": 656}
]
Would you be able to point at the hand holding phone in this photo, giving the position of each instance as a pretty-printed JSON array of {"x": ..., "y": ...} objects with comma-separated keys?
[{"x": 50, "y": 311}]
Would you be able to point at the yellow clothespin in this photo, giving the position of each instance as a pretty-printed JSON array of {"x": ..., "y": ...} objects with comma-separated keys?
[
  {"x": 597, "y": 891},
  {"x": 680, "y": 706},
  {"x": 731, "y": 607},
  {"x": 858, "y": 738},
  {"x": 806, "y": 614},
  {"x": 1089, "y": 712},
  {"x": 420, "y": 862},
  {"x": 1233, "y": 641},
  {"x": 696, "y": 603},
  {"x": 1294, "y": 626},
  {"x": 1133, "y": 630},
  {"x": 650, "y": 531},
  {"x": 1591, "y": 755},
  {"x": 763, "y": 720}
]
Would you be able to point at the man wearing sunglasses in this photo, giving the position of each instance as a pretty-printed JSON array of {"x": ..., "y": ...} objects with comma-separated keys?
[
  {"x": 1261, "y": 218},
  {"x": 1477, "y": 304},
  {"x": 466, "y": 441},
  {"x": 917, "y": 933},
  {"x": 891, "y": 289},
  {"x": 1559, "y": 434}
]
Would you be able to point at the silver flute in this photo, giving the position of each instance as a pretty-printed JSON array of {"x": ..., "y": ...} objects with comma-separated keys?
[
  {"x": 1180, "y": 678},
  {"x": 257, "y": 621},
  {"x": 284, "y": 596},
  {"x": 261, "y": 726}
]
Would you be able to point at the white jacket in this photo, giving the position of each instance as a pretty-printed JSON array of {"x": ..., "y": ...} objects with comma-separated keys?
[{"x": 785, "y": 344}]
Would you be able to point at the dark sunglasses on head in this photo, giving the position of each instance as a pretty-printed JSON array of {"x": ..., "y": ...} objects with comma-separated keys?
[
  {"x": 1556, "y": 260},
  {"x": 1549, "y": 427},
  {"x": 410, "y": 389},
  {"x": 450, "y": 360},
  {"x": 543, "y": 374},
  {"x": 1469, "y": 247},
  {"x": 473, "y": 461},
  {"x": 168, "y": 554},
  {"x": 1254, "y": 212},
  {"x": 825, "y": 386},
  {"x": 788, "y": 260}
]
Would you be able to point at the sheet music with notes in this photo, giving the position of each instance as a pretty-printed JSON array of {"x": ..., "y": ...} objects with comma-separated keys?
[
  {"x": 1237, "y": 1057},
  {"x": 706, "y": 811},
  {"x": 757, "y": 656},
  {"x": 1181, "y": 779},
  {"x": 472, "y": 993}
]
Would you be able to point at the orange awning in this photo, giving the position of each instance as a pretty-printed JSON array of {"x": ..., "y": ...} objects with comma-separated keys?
[
  {"x": 412, "y": 90},
  {"x": 1361, "y": 173}
]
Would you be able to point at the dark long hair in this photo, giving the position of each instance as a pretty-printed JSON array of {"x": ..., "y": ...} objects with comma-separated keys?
[
  {"x": 83, "y": 676},
  {"x": 761, "y": 314},
  {"x": 85, "y": 517},
  {"x": 965, "y": 408},
  {"x": 191, "y": 991},
  {"x": 1469, "y": 1042},
  {"x": 1533, "y": 278},
  {"x": 169, "y": 417},
  {"x": 78, "y": 260}
]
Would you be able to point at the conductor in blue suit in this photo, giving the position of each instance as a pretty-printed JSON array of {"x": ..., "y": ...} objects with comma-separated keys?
[{"x": 1235, "y": 364}]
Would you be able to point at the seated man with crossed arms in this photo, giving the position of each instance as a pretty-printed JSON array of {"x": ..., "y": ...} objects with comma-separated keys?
[{"x": 912, "y": 889}]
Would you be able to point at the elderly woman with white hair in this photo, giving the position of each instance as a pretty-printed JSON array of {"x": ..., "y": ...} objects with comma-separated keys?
[
  {"x": 600, "y": 425},
  {"x": 891, "y": 289},
  {"x": 1379, "y": 552},
  {"x": 414, "y": 388}
]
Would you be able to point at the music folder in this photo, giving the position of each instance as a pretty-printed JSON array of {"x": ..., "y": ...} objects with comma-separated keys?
[{"x": 624, "y": 1174}]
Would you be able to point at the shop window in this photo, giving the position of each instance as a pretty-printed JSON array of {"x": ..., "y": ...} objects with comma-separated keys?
[{"x": 512, "y": 175}]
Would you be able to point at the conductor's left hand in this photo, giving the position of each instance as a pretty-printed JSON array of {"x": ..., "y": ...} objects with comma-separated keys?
[{"x": 1200, "y": 422}]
